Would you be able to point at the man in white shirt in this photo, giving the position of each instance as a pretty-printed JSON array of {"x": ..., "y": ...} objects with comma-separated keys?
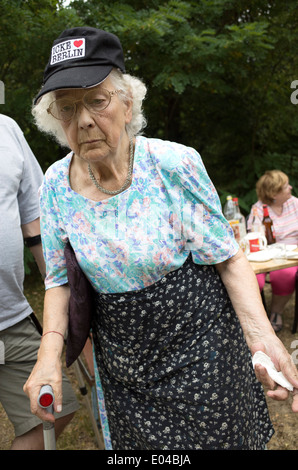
[{"x": 20, "y": 178}]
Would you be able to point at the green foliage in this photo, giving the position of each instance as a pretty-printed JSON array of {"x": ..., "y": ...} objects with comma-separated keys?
[
  {"x": 218, "y": 74},
  {"x": 29, "y": 28}
]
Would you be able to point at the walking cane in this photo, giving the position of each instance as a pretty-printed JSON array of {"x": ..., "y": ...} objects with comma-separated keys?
[{"x": 46, "y": 400}]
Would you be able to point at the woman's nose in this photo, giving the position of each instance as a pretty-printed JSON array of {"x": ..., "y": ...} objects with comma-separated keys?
[{"x": 84, "y": 117}]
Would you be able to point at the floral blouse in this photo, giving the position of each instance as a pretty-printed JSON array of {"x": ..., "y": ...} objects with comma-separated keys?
[{"x": 129, "y": 241}]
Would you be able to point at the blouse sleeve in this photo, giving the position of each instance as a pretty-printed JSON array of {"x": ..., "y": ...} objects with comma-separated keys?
[
  {"x": 214, "y": 241},
  {"x": 30, "y": 181},
  {"x": 53, "y": 236}
]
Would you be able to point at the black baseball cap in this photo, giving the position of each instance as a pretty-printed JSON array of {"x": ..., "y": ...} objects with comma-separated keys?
[{"x": 81, "y": 57}]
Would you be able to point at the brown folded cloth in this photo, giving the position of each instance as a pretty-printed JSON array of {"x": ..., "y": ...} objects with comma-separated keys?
[{"x": 80, "y": 307}]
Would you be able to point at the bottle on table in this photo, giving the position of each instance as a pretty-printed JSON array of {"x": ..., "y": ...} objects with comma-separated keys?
[
  {"x": 256, "y": 224},
  {"x": 229, "y": 209},
  {"x": 240, "y": 217},
  {"x": 230, "y": 214},
  {"x": 268, "y": 225}
]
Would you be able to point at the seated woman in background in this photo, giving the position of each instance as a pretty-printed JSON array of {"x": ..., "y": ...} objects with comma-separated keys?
[{"x": 274, "y": 189}]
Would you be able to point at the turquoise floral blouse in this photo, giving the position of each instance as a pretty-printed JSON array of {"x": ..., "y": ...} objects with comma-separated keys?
[{"x": 131, "y": 240}]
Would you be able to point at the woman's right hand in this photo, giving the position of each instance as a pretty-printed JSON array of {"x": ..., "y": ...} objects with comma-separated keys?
[{"x": 47, "y": 371}]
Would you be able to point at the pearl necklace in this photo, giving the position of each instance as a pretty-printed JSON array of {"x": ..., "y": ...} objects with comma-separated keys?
[{"x": 128, "y": 178}]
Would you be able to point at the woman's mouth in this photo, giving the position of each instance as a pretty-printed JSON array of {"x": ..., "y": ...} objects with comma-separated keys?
[{"x": 91, "y": 141}]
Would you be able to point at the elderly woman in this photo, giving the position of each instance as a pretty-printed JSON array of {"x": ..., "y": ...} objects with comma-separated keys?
[
  {"x": 145, "y": 224},
  {"x": 274, "y": 190}
]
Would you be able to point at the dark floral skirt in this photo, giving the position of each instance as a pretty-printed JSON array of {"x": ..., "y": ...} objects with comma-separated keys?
[{"x": 175, "y": 369}]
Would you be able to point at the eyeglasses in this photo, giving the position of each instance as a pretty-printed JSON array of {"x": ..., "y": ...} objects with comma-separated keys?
[{"x": 94, "y": 100}]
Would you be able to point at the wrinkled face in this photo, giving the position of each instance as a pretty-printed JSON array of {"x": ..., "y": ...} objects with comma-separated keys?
[{"x": 94, "y": 136}]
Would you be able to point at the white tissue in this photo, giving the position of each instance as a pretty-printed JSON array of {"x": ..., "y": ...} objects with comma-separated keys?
[{"x": 278, "y": 377}]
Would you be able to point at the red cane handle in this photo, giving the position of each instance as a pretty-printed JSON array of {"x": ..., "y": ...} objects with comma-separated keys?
[{"x": 46, "y": 396}]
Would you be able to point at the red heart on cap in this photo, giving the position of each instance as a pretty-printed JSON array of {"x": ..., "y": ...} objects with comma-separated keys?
[{"x": 78, "y": 43}]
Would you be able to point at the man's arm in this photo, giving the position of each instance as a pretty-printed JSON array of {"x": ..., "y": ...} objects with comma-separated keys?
[{"x": 31, "y": 234}]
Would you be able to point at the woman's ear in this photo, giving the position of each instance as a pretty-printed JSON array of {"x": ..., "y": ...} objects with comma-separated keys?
[{"x": 129, "y": 104}]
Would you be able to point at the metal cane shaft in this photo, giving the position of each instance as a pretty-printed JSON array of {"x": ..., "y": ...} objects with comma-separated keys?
[{"x": 46, "y": 400}]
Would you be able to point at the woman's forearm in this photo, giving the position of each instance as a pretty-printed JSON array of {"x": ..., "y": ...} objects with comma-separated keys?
[
  {"x": 243, "y": 289},
  {"x": 55, "y": 319},
  {"x": 48, "y": 368},
  {"x": 56, "y": 304}
]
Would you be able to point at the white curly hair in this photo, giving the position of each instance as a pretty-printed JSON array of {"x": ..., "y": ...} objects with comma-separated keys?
[{"x": 131, "y": 87}]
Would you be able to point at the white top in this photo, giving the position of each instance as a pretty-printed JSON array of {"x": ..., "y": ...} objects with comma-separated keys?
[{"x": 20, "y": 178}]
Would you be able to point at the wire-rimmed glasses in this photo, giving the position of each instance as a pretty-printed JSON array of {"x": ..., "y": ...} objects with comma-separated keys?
[{"x": 95, "y": 101}]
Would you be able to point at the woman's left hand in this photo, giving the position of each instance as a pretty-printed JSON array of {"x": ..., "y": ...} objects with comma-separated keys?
[{"x": 284, "y": 363}]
